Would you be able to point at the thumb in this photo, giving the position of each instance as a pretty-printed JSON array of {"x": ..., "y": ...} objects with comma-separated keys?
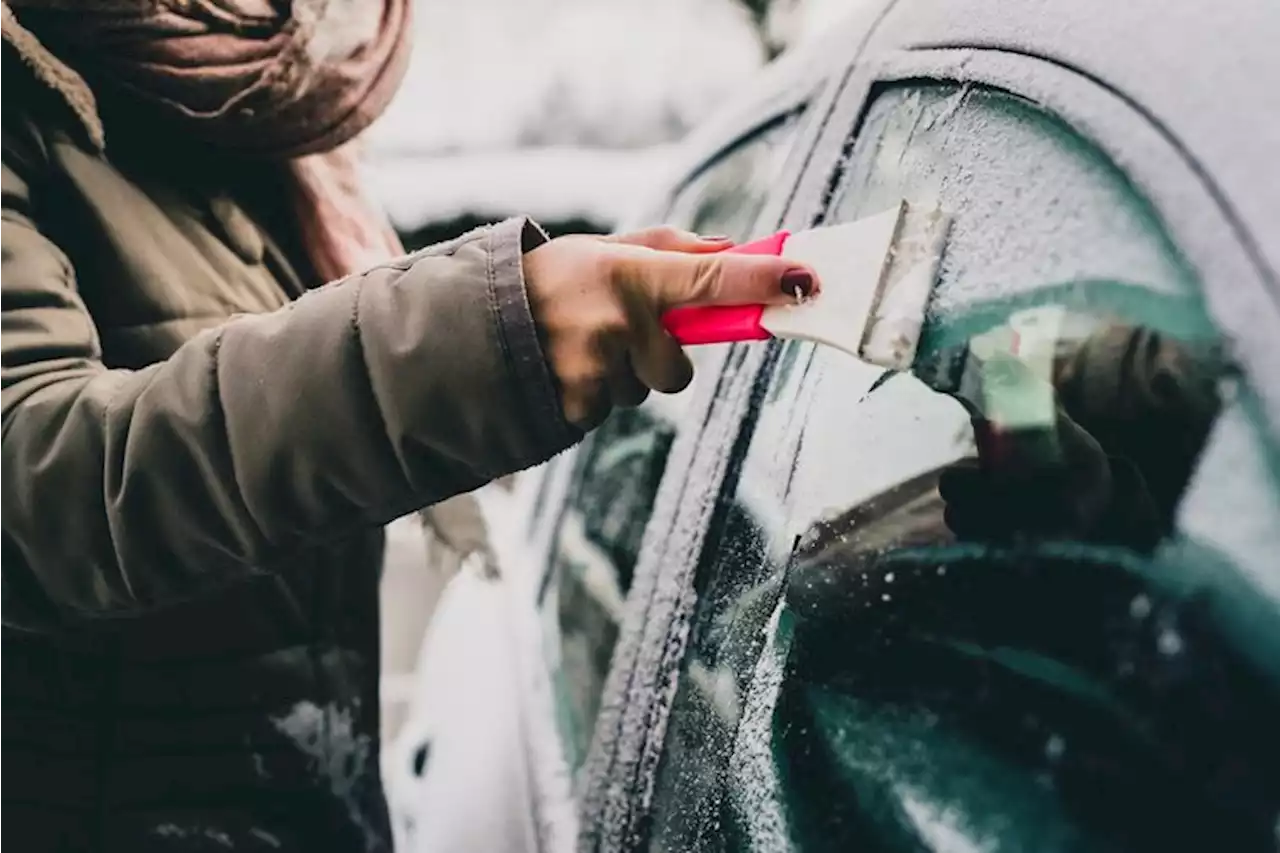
[{"x": 674, "y": 279}]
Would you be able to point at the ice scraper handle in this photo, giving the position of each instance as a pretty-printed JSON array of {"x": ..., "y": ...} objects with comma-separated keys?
[
  {"x": 722, "y": 324},
  {"x": 716, "y": 324}
]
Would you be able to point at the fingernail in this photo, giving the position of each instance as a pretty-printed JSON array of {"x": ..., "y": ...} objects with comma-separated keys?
[
  {"x": 715, "y": 238},
  {"x": 797, "y": 281}
]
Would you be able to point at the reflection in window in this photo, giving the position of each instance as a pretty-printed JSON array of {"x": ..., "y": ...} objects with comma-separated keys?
[
  {"x": 975, "y": 606},
  {"x": 1088, "y": 428},
  {"x": 620, "y": 466}
]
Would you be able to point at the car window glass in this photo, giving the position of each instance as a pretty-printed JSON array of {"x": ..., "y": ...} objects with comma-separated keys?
[
  {"x": 619, "y": 467},
  {"x": 968, "y": 607}
]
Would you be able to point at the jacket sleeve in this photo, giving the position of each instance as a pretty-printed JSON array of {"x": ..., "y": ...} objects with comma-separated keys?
[{"x": 362, "y": 401}]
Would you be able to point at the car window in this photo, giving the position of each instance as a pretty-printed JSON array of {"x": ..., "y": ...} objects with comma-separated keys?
[
  {"x": 995, "y": 603},
  {"x": 619, "y": 467}
]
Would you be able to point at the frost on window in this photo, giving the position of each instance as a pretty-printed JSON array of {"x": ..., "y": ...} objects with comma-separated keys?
[{"x": 993, "y": 603}]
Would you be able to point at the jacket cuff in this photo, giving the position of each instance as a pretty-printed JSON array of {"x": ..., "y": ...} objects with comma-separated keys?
[{"x": 506, "y": 244}]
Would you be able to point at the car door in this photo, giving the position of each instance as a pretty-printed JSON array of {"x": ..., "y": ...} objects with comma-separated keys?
[{"x": 859, "y": 663}]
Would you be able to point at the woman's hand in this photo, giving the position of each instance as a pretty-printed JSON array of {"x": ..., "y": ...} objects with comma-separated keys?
[{"x": 598, "y": 303}]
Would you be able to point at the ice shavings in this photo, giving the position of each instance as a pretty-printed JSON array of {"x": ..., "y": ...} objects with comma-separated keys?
[
  {"x": 941, "y": 828},
  {"x": 756, "y": 793}
]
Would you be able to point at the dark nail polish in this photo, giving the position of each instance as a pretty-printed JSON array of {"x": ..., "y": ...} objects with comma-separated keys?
[{"x": 797, "y": 281}]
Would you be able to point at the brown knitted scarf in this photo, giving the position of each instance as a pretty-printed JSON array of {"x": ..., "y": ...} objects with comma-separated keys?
[{"x": 289, "y": 79}]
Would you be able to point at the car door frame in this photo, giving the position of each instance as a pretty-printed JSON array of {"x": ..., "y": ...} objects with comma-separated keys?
[{"x": 999, "y": 47}]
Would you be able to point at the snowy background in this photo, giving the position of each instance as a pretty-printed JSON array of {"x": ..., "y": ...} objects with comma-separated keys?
[{"x": 566, "y": 110}]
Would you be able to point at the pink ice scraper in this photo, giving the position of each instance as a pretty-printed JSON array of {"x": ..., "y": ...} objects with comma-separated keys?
[{"x": 877, "y": 274}]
